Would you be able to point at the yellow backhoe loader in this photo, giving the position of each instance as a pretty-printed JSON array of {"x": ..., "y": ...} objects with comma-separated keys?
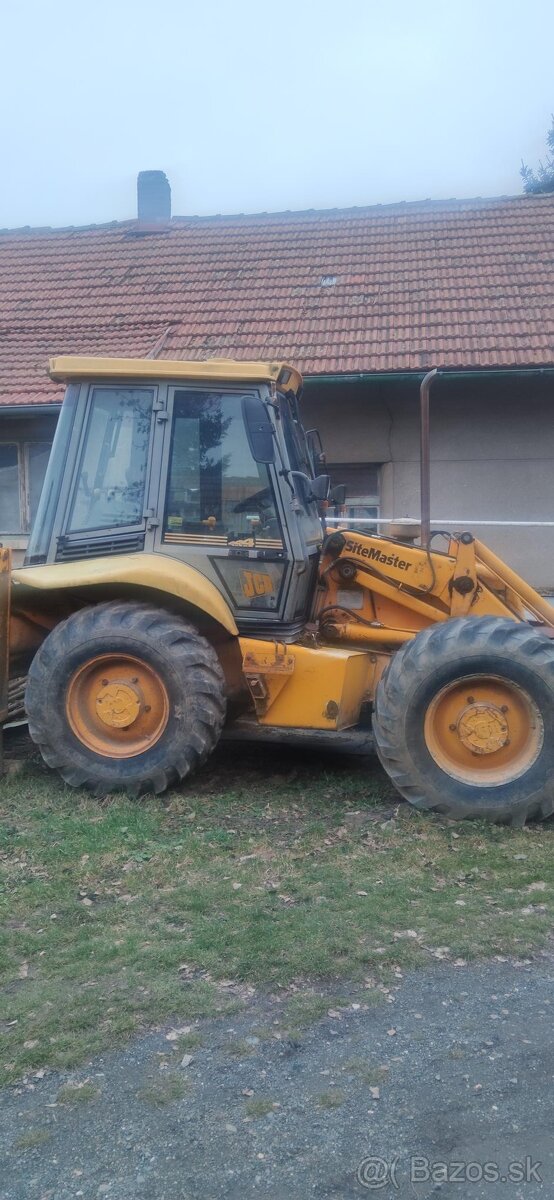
[{"x": 180, "y": 578}]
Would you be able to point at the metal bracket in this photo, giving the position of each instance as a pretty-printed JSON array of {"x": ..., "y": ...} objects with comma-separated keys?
[{"x": 266, "y": 674}]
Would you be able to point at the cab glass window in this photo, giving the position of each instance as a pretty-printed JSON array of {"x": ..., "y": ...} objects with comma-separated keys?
[
  {"x": 37, "y": 455},
  {"x": 217, "y": 493},
  {"x": 300, "y": 460},
  {"x": 112, "y": 472}
]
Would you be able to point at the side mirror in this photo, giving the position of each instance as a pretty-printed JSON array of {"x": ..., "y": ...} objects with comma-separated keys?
[
  {"x": 320, "y": 487},
  {"x": 314, "y": 489},
  {"x": 259, "y": 429},
  {"x": 337, "y": 495}
]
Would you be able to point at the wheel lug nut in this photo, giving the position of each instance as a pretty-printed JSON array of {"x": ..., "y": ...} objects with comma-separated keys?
[
  {"x": 134, "y": 679},
  {"x": 504, "y": 708},
  {"x": 471, "y": 700},
  {"x": 105, "y": 682},
  {"x": 452, "y": 728},
  {"x": 147, "y": 707}
]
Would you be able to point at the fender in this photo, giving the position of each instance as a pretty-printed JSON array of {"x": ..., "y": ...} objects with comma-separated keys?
[{"x": 157, "y": 572}]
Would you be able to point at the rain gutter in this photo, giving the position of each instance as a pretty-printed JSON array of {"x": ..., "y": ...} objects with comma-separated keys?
[{"x": 418, "y": 376}]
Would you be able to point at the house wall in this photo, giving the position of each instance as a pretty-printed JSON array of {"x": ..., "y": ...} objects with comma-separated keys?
[{"x": 492, "y": 452}]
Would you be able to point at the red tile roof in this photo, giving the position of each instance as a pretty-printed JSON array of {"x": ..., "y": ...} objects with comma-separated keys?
[{"x": 401, "y": 287}]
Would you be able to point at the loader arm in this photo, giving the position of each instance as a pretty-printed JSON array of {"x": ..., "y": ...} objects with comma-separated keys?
[{"x": 379, "y": 591}]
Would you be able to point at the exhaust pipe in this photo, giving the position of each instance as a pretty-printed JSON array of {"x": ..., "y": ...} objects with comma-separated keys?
[{"x": 425, "y": 457}]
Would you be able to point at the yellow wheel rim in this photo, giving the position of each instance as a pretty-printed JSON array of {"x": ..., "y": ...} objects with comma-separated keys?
[
  {"x": 483, "y": 730},
  {"x": 117, "y": 705}
]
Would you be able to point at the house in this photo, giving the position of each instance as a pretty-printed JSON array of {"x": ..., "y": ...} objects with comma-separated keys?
[{"x": 363, "y": 300}]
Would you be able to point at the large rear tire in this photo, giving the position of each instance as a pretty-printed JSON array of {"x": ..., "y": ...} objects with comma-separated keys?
[
  {"x": 124, "y": 696},
  {"x": 464, "y": 720}
]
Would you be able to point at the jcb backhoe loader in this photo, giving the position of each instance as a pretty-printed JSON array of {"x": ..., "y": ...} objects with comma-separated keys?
[{"x": 179, "y": 576}]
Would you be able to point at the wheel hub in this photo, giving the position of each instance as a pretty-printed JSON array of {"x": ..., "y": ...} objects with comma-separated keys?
[
  {"x": 118, "y": 704},
  {"x": 483, "y": 728}
]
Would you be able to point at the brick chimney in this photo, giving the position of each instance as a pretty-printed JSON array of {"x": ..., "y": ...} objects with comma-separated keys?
[{"x": 153, "y": 198}]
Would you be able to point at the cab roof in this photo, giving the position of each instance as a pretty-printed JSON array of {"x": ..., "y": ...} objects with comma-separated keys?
[{"x": 75, "y": 366}]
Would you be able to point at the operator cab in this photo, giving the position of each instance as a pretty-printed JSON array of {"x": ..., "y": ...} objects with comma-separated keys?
[{"x": 207, "y": 463}]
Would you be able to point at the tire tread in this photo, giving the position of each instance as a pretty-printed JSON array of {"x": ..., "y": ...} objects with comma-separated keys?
[
  {"x": 465, "y": 639},
  {"x": 192, "y": 656}
]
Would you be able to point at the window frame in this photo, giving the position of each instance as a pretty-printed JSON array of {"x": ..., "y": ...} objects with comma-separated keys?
[
  {"x": 68, "y": 499},
  {"x": 23, "y": 482},
  {"x": 202, "y": 536},
  {"x": 363, "y": 499}
]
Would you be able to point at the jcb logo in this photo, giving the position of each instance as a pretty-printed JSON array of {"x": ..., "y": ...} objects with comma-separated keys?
[{"x": 256, "y": 583}]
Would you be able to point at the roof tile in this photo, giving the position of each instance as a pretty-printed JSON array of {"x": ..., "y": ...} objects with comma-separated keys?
[{"x": 454, "y": 284}]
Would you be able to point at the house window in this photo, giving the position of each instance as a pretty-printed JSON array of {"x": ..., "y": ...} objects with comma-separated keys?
[
  {"x": 362, "y": 491},
  {"x": 22, "y": 470}
]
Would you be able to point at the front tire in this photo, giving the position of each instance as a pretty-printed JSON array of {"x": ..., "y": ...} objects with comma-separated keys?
[
  {"x": 125, "y": 696},
  {"x": 464, "y": 720}
]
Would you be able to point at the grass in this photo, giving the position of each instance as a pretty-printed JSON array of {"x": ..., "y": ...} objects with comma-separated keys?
[
  {"x": 77, "y": 1093},
  {"x": 259, "y": 1107},
  {"x": 189, "y": 1041},
  {"x": 370, "y": 1075},
  {"x": 331, "y": 1099},
  {"x": 119, "y": 914},
  {"x": 32, "y": 1139},
  {"x": 239, "y": 1049},
  {"x": 307, "y": 1007},
  {"x": 161, "y": 1092}
]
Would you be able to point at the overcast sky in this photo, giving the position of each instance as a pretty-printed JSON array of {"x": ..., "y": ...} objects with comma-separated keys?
[{"x": 254, "y": 105}]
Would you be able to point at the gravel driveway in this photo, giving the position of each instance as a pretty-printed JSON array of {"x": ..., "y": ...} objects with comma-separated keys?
[{"x": 456, "y": 1069}]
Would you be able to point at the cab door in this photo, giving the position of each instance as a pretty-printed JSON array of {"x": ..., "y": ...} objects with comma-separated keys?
[
  {"x": 221, "y": 510},
  {"x": 101, "y": 503}
]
